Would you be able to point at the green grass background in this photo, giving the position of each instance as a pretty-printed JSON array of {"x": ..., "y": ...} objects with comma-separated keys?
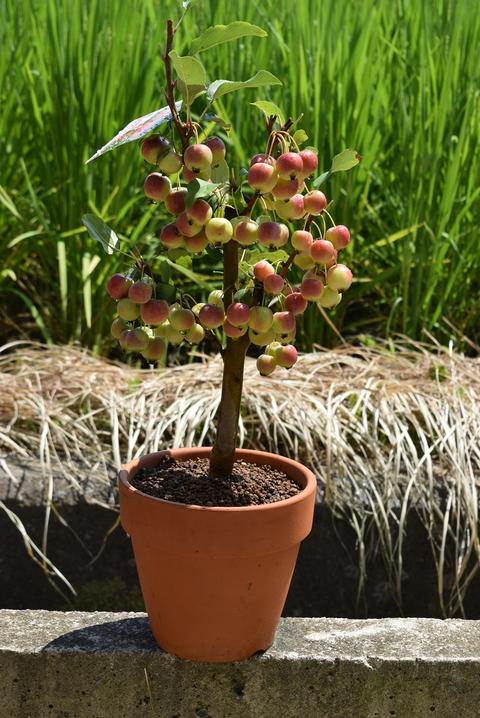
[{"x": 397, "y": 80}]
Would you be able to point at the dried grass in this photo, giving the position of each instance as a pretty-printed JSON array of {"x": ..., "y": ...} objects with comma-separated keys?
[{"x": 387, "y": 429}]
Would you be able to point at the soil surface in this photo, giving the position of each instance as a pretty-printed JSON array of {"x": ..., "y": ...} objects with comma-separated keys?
[{"x": 188, "y": 482}]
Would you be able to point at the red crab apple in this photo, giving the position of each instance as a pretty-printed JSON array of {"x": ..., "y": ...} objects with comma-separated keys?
[
  {"x": 260, "y": 320},
  {"x": 217, "y": 148},
  {"x": 175, "y": 200},
  {"x": 211, "y": 316},
  {"x": 118, "y": 326},
  {"x": 285, "y": 188},
  {"x": 339, "y": 236},
  {"x": 262, "y": 177},
  {"x": 198, "y": 157},
  {"x": 330, "y": 298},
  {"x": 154, "y": 312},
  {"x": 157, "y": 186},
  {"x": 295, "y": 303},
  {"x": 292, "y": 208},
  {"x": 311, "y": 288},
  {"x": 140, "y": 292},
  {"x": 155, "y": 349},
  {"x": 302, "y": 240},
  {"x": 181, "y": 319},
  {"x": 187, "y": 226},
  {"x": 136, "y": 340},
  {"x": 245, "y": 232},
  {"x": 171, "y": 237},
  {"x": 219, "y": 230},
  {"x": 266, "y": 364},
  {"x": 197, "y": 243},
  {"x": 232, "y": 331},
  {"x": 283, "y": 323},
  {"x": 339, "y": 277},
  {"x": 289, "y": 165},
  {"x": 200, "y": 211},
  {"x": 128, "y": 310},
  {"x": 238, "y": 314},
  {"x": 322, "y": 251},
  {"x": 171, "y": 163},
  {"x": 272, "y": 234},
  {"x": 154, "y": 147},
  {"x": 286, "y": 356},
  {"x": 267, "y": 159},
  {"x": 262, "y": 270},
  {"x": 195, "y": 334},
  {"x": 310, "y": 162},
  {"x": 274, "y": 284},
  {"x": 118, "y": 286},
  {"x": 315, "y": 202},
  {"x": 261, "y": 339}
]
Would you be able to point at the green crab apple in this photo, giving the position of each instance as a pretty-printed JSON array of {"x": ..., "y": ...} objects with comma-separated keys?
[
  {"x": 180, "y": 318},
  {"x": 118, "y": 326},
  {"x": 219, "y": 230},
  {"x": 195, "y": 334},
  {"x": 266, "y": 364},
  {"x": 260, "y": 319},
  {"x": 330, "y": 298},
  {"x": 245, "y": 232},
  {"x": 128, "y": 310},
  {"x": 302, "y": 240},
  {"x": 339, "y": 277},
  {"x": 292, "y": 208},
  {"x": 261, "y": 339}
]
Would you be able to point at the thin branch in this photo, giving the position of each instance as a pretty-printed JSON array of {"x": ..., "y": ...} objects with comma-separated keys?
[{"x": 182, "y": 129}]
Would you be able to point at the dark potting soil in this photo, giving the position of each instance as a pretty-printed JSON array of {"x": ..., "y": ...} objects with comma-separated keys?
[{"x": 188, "y": 482}]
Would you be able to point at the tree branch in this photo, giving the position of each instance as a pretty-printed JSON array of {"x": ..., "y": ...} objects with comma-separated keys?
[{"x": 182, "y": 129}]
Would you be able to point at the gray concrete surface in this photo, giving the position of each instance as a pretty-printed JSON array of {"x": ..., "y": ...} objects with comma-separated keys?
[{"x": 106, "y": 665}]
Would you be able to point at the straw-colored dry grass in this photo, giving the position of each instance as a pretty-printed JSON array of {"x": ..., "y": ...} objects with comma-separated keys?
[{"x": 387, "y": 430}]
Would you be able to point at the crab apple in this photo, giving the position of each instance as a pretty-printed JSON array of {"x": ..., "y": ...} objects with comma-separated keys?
[
  {"x": 171, "y": 163},
  {"x": 238, "y": 314},
  {"x": 122, "y": 339},
  {"x": 311, "y": 288},
  {"x": 171, "y": 237},
  {"x": 157, "y": 186},
  {"x": 118, "y": 286},
  {"x": 211, "y": 316},
  {"x": 315, "y": 202},
  {"x": 267, "y": 159},
  {"x": 245, "y": 232},
  {"x": 128, "y": 310},
  {"x": 285, "y": 188},
  {"x": 269, "y": 202},
  {"x": 140, "y": 292},
  {"x": 216, "y": 297},
  {"x": 295, "y": 303},
  {"x": 197, "y": 307},
  {"x": 154, "y": 312},
  {"x": 172, "y": 335},
  {"x": 339, "y": 236},
  {"x": 119, "y": 325},
  {"x": 304, "y": 261},
  {"x": 262, "y": 270},
  {"x": 322, "y": 251},
  {"x": 175, "y": 200},
  {"x": 219, "y": 230},
  {"x": 266, "y": 364},
  {"x": 272, "y": 234},
  {"x": 188, "y": 175},
  {"x": 286, "y": 356},
  {"x": 289, "y": 165},
  {"x": 333, "y": 261},
  {"x": 155, "y": 349},
  {"x": 274, "y": 284},
  {"x": 200, "y": 211},
  {"x": 195, "y": 334},
  {"x": 153, "y": 148},
  {"x": 232, "y": 331},
  {"x": 302, "y": 240},
  {"x": 198, "y": 157},
  {"x": 262, "y": 176},
  {"x": 197, "y": 243},
  {"x": 217, "y": 149},
  {"x": 339, "y": 277},
  {"x": 261, "y": 319},
  {"x": 272, "y": 348},
  {"x": 181, "y": 319},
  {"x": 330, "y": 298},
  {"x": 261, "y": 339},
  {"x": 292, "y": 208},
  {"x": 310, "y": 162},
  {"x": 136, "y": 340},
  {"x": 283, "y": 323},
  {"x": 187, "y": 226}
]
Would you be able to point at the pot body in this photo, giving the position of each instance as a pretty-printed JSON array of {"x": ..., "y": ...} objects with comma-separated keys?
[{"x": 215, "y": 579}]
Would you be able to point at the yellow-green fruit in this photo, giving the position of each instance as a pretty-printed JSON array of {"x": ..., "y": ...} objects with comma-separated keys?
[{"x": 128, "y": 310}]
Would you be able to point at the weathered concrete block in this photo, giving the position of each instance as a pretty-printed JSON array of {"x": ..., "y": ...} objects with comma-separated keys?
[{"x": 106, "y": 665}]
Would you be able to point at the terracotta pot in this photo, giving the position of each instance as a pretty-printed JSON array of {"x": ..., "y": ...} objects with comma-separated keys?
[{"x": 215, "y": 579}]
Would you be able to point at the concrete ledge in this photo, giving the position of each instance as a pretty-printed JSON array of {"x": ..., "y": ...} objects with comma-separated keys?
[{"x": 106, "y": 665}]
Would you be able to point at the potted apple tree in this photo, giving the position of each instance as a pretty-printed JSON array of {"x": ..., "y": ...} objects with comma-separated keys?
[{"x": 216, "y": 531}]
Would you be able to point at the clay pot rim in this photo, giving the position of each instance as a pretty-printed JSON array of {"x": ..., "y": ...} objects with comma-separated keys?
[{"x": 309, "y": 488}]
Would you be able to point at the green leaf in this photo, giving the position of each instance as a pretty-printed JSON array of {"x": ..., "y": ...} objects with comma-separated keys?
[
  {"x": 300, "y": 136},
  {"x": 199, "y": 188},
  {"x": 219, "y": 34},
  {"x": 181, "y": 257},
  {"x": 100, "y": 232},
  {"x": 345, "y": 161},
  {"x": 165, "y": 291},
  {"x": 269, "y": 108},
  {"x": 256, "y": 255},
  {"x": 322, "y": 178},
  {"x": 191, "y": 75},
  {"x": 221, "y": 87},
  {"x": 212, "y": 117},
  {"x": 220, "y": 172}
]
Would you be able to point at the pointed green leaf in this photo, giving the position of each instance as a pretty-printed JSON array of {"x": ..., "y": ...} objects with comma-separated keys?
[
  {"x": 345, "y": 161},
  {"x": 322, "y": 178},
  {"x": 219, "y": 34},
  {"x": 191, "y": 75},
  {"x": 269, "y": 108},
  {"x": 100, "y": 232},
  {"x": 221, "y": 87},
  {"x": 220, "y": 172},
  {"x": 300, "y": 137},
  {"x": 199, "y": 188}
]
